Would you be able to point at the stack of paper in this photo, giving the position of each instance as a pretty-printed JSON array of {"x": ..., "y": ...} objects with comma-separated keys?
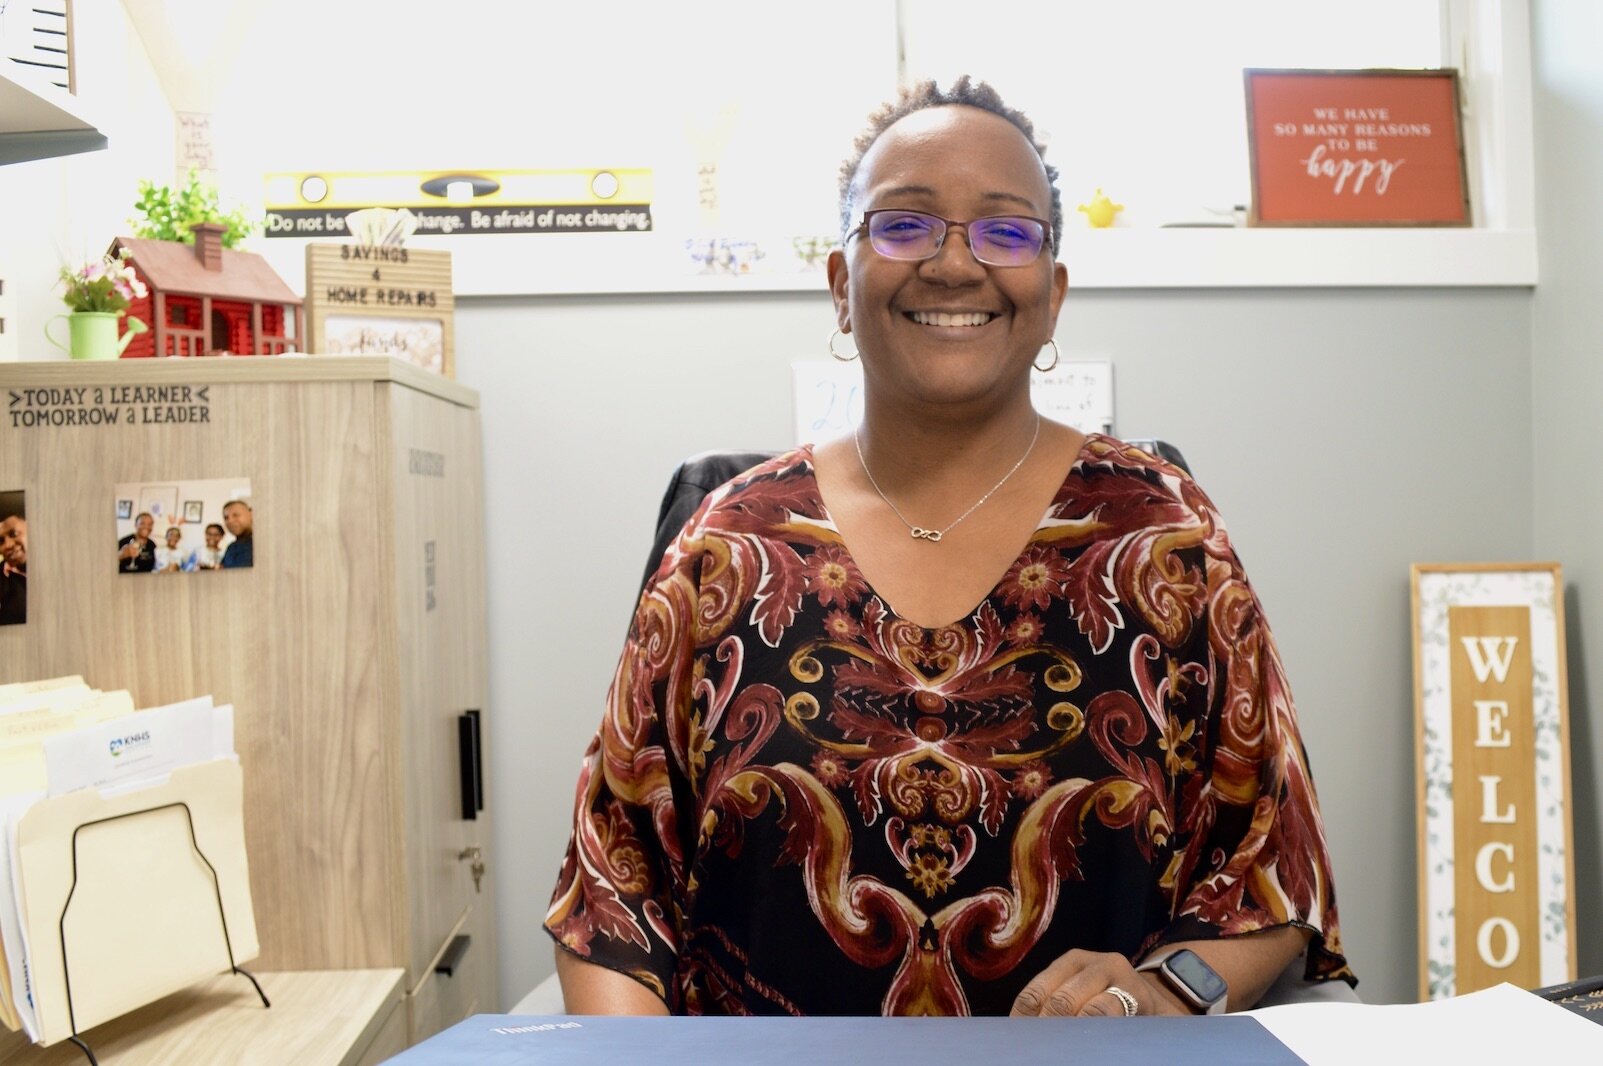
[
  {"x": 122, "y": 871},
  {"x": 1501, "y": 1024}
]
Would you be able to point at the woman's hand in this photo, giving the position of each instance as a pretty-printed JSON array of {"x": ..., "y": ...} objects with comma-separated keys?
[{"x": 1077, "y": 983}]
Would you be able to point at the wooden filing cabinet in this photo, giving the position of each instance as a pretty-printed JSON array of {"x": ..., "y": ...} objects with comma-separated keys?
[{"x": 350, "y": 650}]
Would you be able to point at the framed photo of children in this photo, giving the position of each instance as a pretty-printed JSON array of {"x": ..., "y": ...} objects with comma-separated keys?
[
  {"x": 1496, "y": 856},
  {"x": 1356, "y": 148}
]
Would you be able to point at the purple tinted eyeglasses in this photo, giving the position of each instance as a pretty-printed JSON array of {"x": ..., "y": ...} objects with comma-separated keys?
[{"x": 998, "y": 240}]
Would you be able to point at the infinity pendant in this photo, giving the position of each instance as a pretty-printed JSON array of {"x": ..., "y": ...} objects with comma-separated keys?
[{"x": 919, "y": 533}]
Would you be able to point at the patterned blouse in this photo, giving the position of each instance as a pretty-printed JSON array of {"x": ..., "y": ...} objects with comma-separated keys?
[{"x": 800, "y": 803}]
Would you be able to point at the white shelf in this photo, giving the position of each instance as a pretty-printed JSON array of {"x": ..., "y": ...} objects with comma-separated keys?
[
  {"x": 39, "y": 119},
  {"x": 1224, "y": 258},
  {"x": 1299, "y": 258}
]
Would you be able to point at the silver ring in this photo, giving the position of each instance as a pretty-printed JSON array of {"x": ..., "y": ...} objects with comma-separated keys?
[{"x": 1125, "y": 999}]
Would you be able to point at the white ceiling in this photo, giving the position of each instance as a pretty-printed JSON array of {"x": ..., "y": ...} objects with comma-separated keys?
[{"x": 196, "y": 46}]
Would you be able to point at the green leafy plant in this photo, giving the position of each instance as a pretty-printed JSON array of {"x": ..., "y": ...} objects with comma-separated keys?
[{"x": 167, "y": 215}]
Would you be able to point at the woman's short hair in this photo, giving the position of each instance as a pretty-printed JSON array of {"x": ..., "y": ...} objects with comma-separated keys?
[{"x": 925, "y": 94}]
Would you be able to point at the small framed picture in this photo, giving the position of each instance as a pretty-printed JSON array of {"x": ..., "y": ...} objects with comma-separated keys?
[
  {"x": 164, "y": 528},
  {"x": 1496, "y": 854}
]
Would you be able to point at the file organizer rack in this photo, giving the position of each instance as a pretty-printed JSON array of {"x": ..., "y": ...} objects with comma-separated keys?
[{"x": 66, "y": 968}]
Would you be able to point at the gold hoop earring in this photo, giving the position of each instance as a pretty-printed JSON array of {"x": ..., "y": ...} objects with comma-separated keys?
[
  {"x": 842, "y": 358},
  {"x": 1055, "y": 356}
]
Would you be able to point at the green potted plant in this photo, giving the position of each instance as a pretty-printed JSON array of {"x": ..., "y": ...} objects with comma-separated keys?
[
  {"x": 98, "y": 294},
  {"x": 167, "y": 215}
]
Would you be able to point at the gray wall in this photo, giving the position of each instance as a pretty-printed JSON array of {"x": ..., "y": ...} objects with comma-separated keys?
[
  {"x": 1567, "y": 392},
  {"x": 1343, "y": 434}
]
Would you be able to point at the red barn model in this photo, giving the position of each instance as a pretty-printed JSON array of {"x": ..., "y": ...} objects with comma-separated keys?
[{"x": 207, "y": 301}]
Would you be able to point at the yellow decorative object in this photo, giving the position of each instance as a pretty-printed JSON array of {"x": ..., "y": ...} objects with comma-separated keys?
[{"x": 1100, "y": 211}]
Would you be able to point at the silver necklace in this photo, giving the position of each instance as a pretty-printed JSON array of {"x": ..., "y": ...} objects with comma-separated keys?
[{"x": 934, "y": 535}]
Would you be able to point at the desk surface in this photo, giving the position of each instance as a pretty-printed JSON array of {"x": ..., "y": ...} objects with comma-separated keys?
[{"x": 323, "y": 1018}]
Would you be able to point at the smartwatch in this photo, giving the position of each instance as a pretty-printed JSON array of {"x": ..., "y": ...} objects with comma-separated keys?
[{"x": 1198, "y": 985}]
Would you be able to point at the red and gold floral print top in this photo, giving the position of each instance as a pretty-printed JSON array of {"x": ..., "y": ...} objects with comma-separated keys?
[{"x": 800, "y": 803}]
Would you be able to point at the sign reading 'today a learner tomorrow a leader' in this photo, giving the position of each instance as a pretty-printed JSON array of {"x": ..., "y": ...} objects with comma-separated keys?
[{"x": 1356, "y": 148}]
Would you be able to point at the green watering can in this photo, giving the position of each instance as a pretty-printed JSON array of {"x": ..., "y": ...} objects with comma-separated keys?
[{"x": 93, "y": 334}]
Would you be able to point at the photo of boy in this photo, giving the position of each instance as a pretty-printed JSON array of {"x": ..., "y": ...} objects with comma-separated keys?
[
  {"x": 170, "y": 557},
  {"x": 209, "y": 557}
]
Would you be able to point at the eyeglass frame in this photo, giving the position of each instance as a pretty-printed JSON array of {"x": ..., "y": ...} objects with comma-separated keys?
[{"x": 968, "y": 237}]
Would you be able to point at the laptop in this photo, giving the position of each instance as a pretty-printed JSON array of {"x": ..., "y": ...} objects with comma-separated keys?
[{"x": 497, "y": 1039}]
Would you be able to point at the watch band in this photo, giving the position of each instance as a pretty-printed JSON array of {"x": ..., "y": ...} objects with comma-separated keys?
[{"x": 1192, "y": 997}]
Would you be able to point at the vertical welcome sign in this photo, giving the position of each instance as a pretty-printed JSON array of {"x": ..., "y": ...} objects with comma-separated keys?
[{"x": 1495, "y": 857}]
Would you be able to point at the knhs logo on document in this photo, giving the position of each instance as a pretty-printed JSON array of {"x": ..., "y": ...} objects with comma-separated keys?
[{"x": 129, "y": 744}]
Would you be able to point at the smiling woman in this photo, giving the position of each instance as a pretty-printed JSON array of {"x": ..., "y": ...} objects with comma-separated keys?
[{"x": 966, "y": 713}]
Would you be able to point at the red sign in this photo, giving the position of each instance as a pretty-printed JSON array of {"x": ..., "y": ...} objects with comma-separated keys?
[{"x": 1356, "y": 148}]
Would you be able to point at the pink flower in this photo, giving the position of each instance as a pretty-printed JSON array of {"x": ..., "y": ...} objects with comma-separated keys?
[{"x": 106, "y": 285}]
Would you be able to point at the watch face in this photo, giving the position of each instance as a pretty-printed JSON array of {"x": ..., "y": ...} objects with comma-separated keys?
[{"x": 1188, "y": 967}]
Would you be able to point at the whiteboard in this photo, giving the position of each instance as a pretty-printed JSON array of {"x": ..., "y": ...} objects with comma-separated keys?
[{"x": 827, "y": 396}]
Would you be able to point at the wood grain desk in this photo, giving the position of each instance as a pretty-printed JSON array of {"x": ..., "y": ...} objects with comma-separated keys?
[{"x": 318, "y": 1018}]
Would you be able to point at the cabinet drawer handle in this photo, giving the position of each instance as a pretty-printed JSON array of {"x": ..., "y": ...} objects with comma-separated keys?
[
  {"x": 453, "y": 955},
  {"x": 478, "y": 760},
  {"x": 468, "y": 762}
]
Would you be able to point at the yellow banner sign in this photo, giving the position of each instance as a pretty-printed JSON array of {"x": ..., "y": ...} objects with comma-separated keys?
[{"x": 594, "y": 200}]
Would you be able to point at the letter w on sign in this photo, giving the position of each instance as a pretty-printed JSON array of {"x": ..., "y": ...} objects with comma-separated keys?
[{"x": 1490, "y": 656}]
